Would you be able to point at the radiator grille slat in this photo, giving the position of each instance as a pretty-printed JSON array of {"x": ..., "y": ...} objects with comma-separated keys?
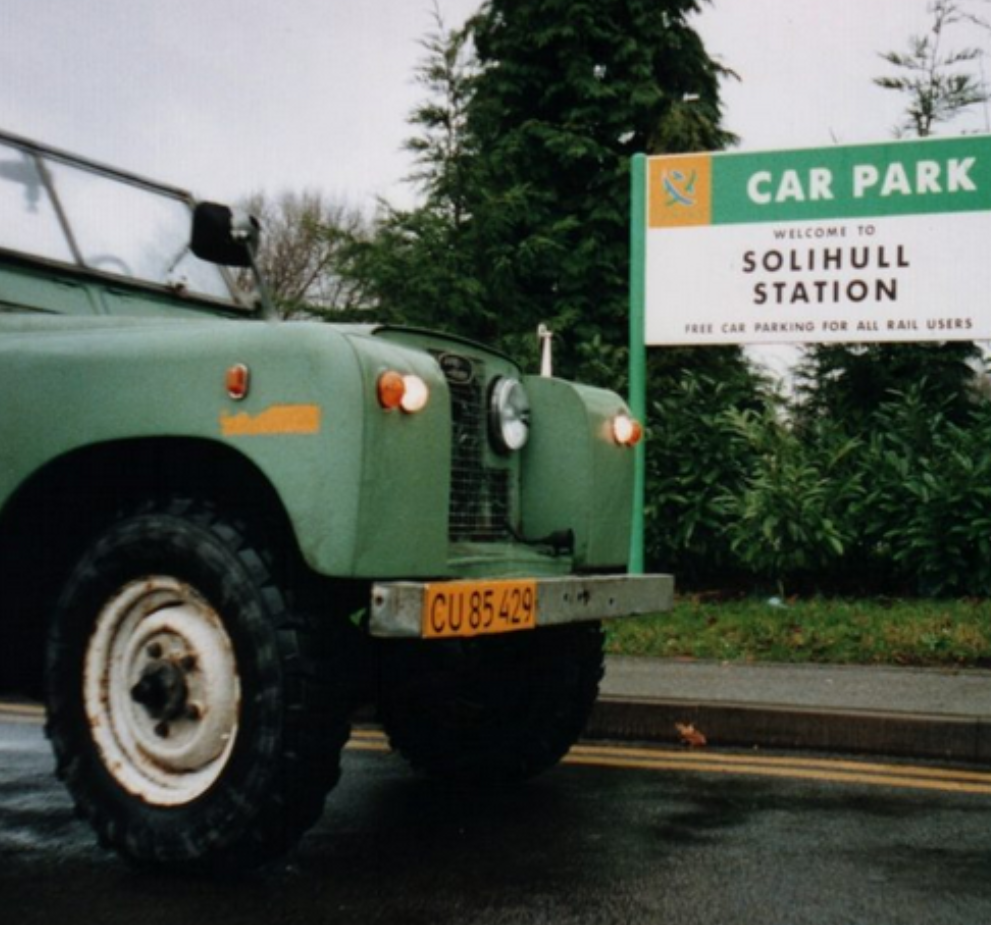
[{"x": 480, "y": 503}]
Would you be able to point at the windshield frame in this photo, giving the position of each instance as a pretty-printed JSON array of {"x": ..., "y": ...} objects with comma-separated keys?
[{"x": 43, "y": 157}]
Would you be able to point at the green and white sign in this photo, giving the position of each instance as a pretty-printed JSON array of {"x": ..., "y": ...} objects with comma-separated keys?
[{"x": 882, "y": 242}]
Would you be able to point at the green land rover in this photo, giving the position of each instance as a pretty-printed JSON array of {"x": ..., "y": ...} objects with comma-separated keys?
[{"x": 220, "y": 534}]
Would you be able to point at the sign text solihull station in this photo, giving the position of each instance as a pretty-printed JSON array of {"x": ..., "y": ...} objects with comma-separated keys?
[{"x": 883, "y": 242}]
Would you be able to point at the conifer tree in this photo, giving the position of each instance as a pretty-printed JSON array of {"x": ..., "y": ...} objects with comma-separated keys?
[
  {"x": 523, "y": 148},
  {"x": 567, "y": 92},
  {"x": 851, "y": 382}
]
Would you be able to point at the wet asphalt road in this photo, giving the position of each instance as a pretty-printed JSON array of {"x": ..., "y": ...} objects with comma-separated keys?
[{"x": 584, "y": 844}]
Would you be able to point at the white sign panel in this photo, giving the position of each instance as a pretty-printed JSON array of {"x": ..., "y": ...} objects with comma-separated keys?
[{"x": 884, "y": 242}]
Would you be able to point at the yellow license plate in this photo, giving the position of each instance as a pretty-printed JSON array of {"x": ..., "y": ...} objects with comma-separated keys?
[{"x": 477, "y": 608}]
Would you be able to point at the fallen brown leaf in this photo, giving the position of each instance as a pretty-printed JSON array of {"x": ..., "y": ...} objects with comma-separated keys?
[{"x": 690, "y": 736}]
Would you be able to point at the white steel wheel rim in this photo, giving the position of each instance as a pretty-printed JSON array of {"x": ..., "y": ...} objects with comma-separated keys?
[{"x": 161, "y": 691}]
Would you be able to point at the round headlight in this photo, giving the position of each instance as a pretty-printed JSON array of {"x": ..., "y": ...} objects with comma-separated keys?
[{"x": 509, "y": 415}]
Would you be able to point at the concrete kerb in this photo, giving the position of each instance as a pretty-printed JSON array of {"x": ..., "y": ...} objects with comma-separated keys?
[
  {"x": 951, "y": 738},
  {"x": 920, "y": 713}
]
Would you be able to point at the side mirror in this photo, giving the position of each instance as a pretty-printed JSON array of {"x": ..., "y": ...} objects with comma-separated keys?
[{"x": 221, "y": 236}]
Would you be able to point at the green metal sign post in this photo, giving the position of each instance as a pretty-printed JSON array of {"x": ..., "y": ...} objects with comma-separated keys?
[{"x": 638, "y": 348}]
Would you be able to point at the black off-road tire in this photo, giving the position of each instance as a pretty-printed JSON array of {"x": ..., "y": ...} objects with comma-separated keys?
[
  {"x": 493, "y": 710},
  {"x": 267, "y": 785}
]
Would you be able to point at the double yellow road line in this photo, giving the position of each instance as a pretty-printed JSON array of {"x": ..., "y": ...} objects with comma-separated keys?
[
  {"x": 22, "y": 713},
  {"x": 900, "y": 776},
  {"x": 905, "y": 776},
  {"x": 699, "y": 761}
]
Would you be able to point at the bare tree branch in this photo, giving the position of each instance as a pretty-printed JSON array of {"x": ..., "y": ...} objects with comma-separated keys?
[{"x": 302, "y": 234}]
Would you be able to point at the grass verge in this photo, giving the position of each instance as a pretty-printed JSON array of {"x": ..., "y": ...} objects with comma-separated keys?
[{"x": 856, "y": 632}]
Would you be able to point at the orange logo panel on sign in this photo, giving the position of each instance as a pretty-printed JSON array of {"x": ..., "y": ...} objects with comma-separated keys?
[{"x": 680, "y": 191}]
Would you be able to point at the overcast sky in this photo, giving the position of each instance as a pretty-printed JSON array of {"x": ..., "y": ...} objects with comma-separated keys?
[
  {"x": 227, "y": 96},
  {"x": 224, "y": 97},
  {"x": 806, "y": 67}
]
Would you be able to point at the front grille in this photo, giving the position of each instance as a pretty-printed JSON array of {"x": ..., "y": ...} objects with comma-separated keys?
[{"x": 480, "y": 503}]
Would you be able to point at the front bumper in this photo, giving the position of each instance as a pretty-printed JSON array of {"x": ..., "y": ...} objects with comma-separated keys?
[{"x": 397, "y": 607}]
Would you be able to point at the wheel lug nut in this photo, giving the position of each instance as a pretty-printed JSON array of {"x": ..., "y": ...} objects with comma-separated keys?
[
  {"x": 188, "y": 662},
  {"x": 194, "y": 711},
  {"x": 162, "y": 730},
  {"x": 154, "y": 650}
]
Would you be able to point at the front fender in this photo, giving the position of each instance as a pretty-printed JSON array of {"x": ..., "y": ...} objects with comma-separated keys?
[
  {"x": 364, "y": 490},
  {"x": 575, "y": 476}
]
